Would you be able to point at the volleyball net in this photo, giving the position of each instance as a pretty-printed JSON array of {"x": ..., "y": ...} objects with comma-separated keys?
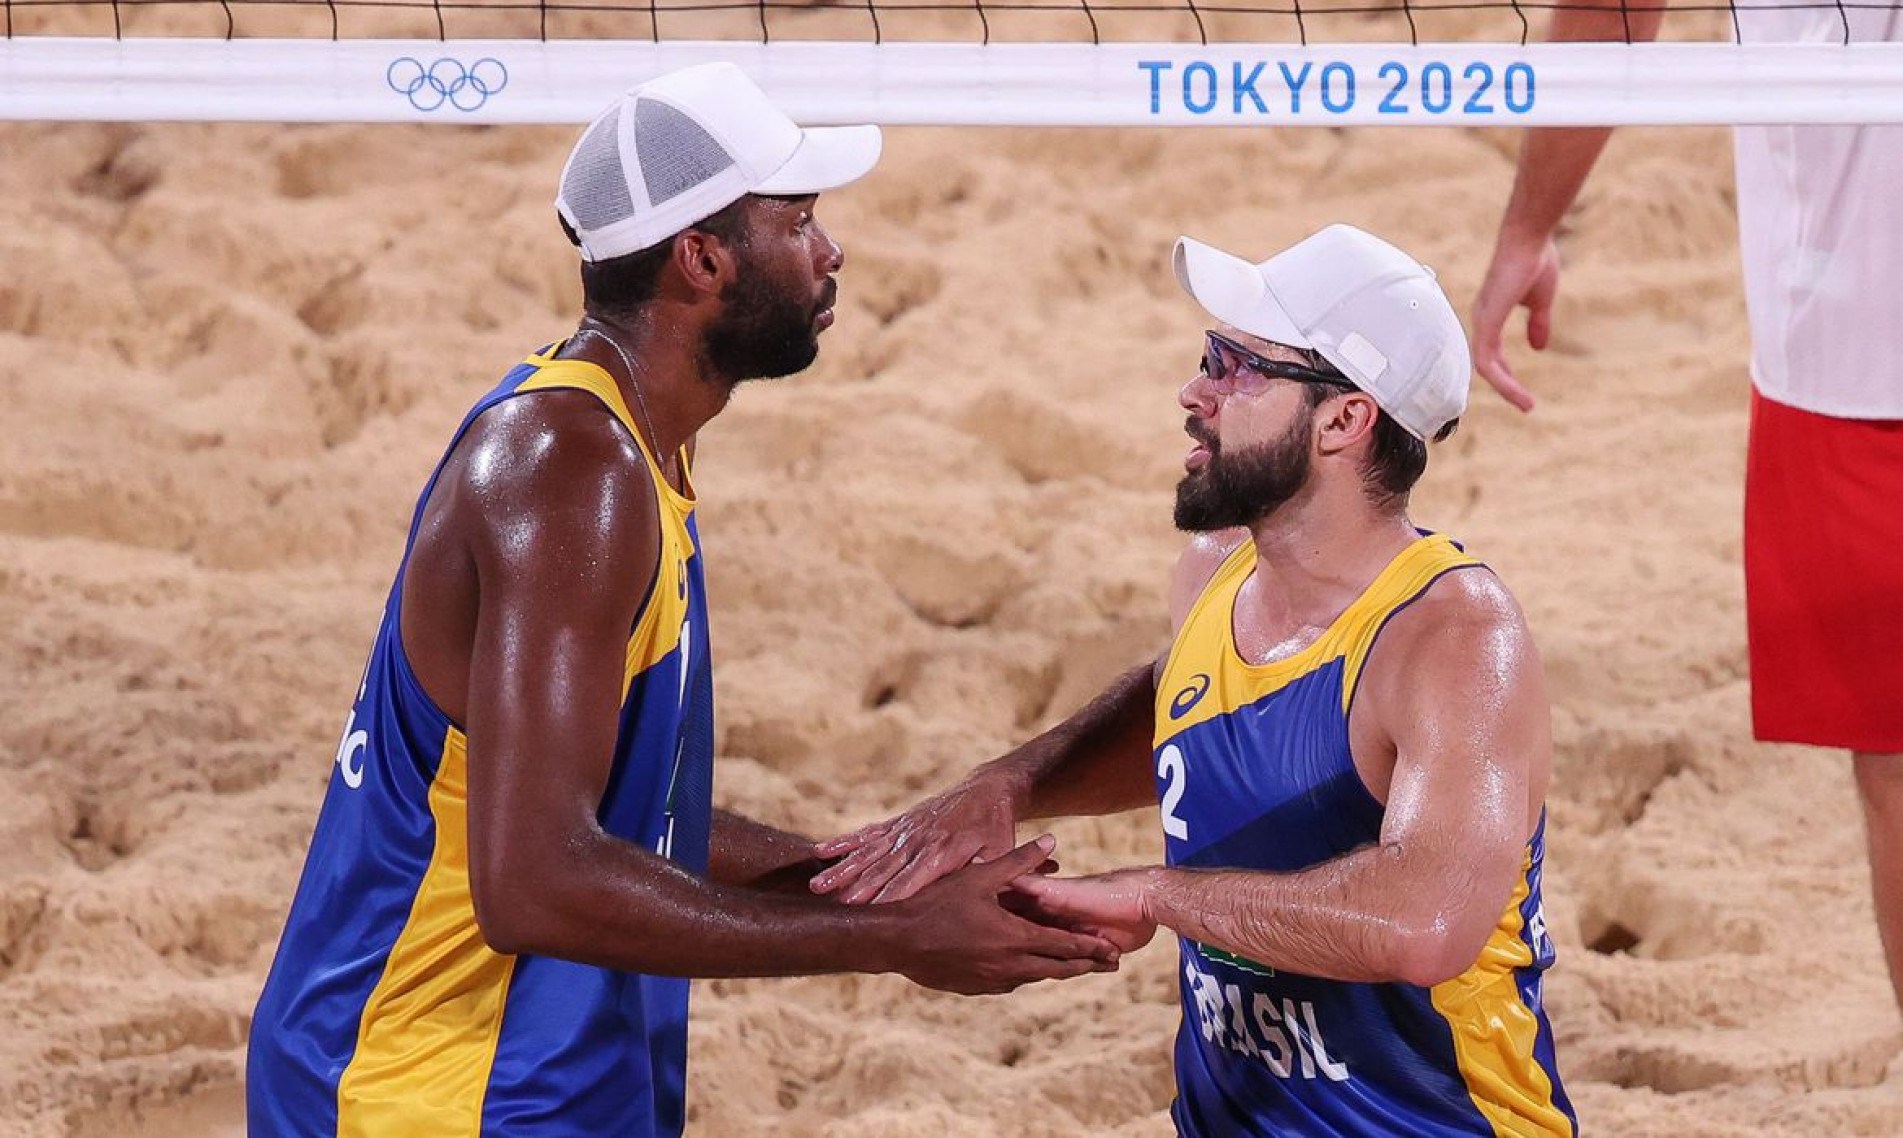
[{"x": 947, "y": 62}]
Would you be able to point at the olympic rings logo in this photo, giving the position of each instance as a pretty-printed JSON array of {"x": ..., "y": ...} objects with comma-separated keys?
[{"x": 446, "y": 81}]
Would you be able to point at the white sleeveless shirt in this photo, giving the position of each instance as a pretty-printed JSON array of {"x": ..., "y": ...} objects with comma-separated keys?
[{"x": 1820, "y": 227}]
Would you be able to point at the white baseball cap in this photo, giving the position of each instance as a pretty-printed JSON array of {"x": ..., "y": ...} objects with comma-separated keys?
[
  {"x": 683, "y": 147},
  {"x": 1368, "y": 308}
]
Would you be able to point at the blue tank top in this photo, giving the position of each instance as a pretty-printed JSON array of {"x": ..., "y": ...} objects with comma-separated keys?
[
  {"x": 1254, "y": 772},
  {"x": 385, "y": 1013}
]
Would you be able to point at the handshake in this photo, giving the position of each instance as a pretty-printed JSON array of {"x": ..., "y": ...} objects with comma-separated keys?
[{"x": 977, "y": 913}]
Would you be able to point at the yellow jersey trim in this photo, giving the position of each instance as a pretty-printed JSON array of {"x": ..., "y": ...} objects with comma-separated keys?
[
  {"x": 1404, "y": 580},
  {"x": 553, "y": 375},
  {"x": 1208, "y": 634},
  {"x": 1494, "y": 1032},
  {"x": 430, "y": 1027}
]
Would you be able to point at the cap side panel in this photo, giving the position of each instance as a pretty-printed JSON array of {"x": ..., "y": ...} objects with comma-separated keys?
[
  {"x": 595, "y": 185},
  {"x": 676, "y": 153}
]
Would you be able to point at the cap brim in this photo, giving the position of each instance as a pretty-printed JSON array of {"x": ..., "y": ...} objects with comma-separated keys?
[
  {"x": 828, "y": 157},
  {"x": 1234, "y": 292}
]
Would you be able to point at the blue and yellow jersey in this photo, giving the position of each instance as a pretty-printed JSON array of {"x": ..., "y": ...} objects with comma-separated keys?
[
  {"x": 385, "y": 1012},
  {"x": 1254, "y": 772}
]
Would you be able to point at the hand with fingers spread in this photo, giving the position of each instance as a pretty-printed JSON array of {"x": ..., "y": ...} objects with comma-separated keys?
[
  {"x": 894, "y": 859},
  {"x": 956, "y": 936},
  {"x": 1108, "y": 905},
  {"x": 1524, "y": 273}
]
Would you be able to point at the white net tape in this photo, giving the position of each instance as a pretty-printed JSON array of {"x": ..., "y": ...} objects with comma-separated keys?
[{"x": 516, "y": 81}]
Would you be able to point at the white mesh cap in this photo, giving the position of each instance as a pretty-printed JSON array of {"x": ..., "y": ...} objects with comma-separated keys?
[
  {"x": 1368, "y": 308},
  {"x": 683, "y": 147}
]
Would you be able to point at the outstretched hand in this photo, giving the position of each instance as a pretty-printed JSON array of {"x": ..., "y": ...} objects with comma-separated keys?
[
  {"x": 959, "y": 937},
  {"x": 1108, "y": 905},
  {"x": 1523, "y": 273},
  {"x": 894, "y": 859}
]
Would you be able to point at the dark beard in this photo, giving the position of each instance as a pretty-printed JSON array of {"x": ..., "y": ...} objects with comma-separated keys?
[
  {"x": 765, "y": 332},
  {"x": 1245, "y": 487}
]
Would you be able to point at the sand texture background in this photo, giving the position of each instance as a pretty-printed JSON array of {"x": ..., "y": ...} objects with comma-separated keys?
[{"x": 229, "y": 356}]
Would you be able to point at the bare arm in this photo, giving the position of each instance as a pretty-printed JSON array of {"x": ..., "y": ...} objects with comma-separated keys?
[
  {"x": 1095, "y": 762},
  {"x": 1456, "y": 689},
  {"x": 746, "y": 852},
  {"x": 562, "y": 528},
  {"x": 1553, "y": 166}
]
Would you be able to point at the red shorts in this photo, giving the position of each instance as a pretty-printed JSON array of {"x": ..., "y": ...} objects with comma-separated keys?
[{"x": 1823, "y": 565}]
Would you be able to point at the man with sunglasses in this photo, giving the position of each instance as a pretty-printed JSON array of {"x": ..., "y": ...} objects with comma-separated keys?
[{"x": 1348, "y": 740}]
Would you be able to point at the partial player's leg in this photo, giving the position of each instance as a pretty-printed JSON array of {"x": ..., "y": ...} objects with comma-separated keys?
[
  {"x": 1880, "y": 785},
  {"x": 1824, "y": 601}
]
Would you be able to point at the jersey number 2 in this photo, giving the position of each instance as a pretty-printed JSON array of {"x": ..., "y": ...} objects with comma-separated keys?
[{"x": 1175, "y": 775}]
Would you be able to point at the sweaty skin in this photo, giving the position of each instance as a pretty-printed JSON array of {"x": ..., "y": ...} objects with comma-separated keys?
[
  {"x": 534, "y": 553},
  {"x": 1449, "y": 731}
]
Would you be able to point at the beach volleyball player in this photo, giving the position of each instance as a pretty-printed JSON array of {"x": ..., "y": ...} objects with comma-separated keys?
[
  {"x": 1348, "y": 740},
  {"x": 517, "y": 862}
]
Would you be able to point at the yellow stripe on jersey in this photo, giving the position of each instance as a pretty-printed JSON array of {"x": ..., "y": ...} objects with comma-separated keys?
[
  {"x": 1205, "y": 650},
  {"x": 655, "y": 637},
  {"x": 1405, "y": 578},
  {"x": 590, "y": 378},
  {"x": 429, "y": 1029},
  {"x": 1494, "y": 1032}
]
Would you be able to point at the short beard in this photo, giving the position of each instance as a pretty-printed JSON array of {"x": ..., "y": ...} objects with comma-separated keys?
[
  {"x": 763, "y": 333},
  {"x": 1247, "y": 486}
]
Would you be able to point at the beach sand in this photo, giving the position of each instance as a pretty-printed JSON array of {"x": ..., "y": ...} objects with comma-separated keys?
[{"x": 229, "y": 356}]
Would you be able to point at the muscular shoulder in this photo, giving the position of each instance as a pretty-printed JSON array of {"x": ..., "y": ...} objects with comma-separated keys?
[
  {"x": 1467, "y": 615},
  {"x": 1458, "y": 658},
  {"x": 551, "y": 493},
  {"x": 554, "y": 460},
  {"x": 1454, "y": 674}
]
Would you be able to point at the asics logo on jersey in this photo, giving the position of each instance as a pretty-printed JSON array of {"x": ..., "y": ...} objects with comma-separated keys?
[
  {"x": 446, "y": 81},
  {"x": 1190, "y": 696}
]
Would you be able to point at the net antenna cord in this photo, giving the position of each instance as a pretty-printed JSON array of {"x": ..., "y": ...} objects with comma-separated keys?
[{"x": 951, "y": 84}]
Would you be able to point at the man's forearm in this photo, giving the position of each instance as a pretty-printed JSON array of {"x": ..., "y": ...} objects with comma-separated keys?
[
  {"x": 1554, "y": 164},
  {"x": 612, "y": 904},
  {"x": 1555, "y": 161},
  {"x": 599, "y": 900},
  {"x": 754, "y": 854},
  {"x": 1360, "y": 917},
  {"x": 1095, "y": 762}
]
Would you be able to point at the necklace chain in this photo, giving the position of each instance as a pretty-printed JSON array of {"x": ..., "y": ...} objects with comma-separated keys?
[{"x": 640, "y": 400}]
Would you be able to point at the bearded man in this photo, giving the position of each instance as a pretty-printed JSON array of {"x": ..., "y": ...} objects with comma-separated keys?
[
  {"x": 1348, "y": 741},
  {"x": 518, "y": 864}
]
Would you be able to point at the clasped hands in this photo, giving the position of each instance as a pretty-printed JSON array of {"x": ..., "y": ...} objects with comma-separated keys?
[{"x": 970, "y": 829}]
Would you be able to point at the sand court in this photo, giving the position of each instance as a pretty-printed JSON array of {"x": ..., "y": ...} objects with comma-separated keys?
[{"x": 230, "y": 354}]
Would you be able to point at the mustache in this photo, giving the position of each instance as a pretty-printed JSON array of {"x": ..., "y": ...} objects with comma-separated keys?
[{"x": 1197, "y": 429}]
